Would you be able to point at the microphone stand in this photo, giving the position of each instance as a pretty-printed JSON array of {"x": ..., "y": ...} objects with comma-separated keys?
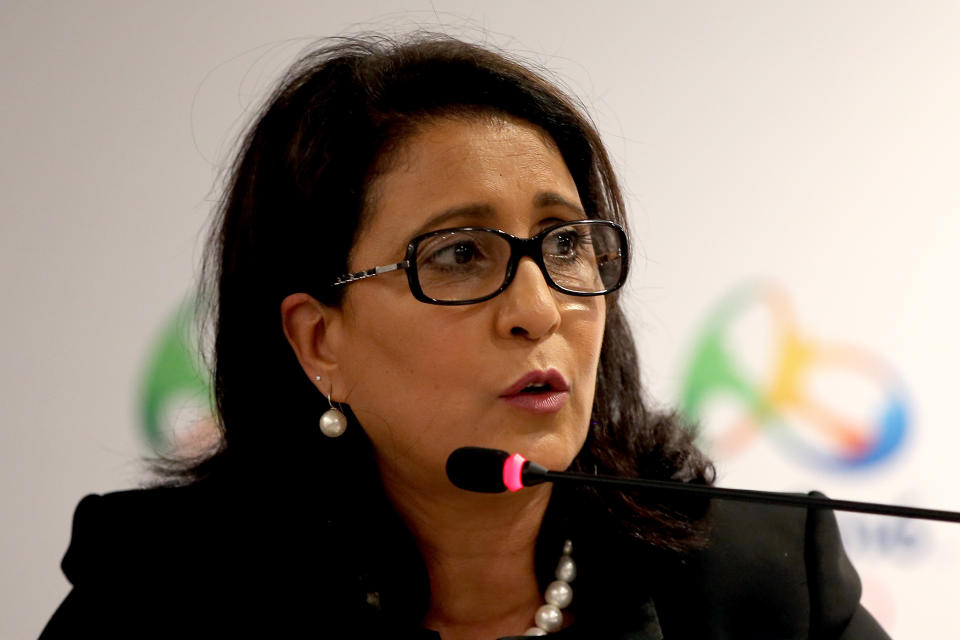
[{"x": 534, "y": 473}]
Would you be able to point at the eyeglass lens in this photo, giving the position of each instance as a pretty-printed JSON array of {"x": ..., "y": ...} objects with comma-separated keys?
[{"x": 467, "y": 264}]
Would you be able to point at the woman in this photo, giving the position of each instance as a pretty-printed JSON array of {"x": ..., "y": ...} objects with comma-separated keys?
[{"x": 419, "y": 250}]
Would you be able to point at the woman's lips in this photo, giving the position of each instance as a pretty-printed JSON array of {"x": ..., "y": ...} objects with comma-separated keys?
[
  {"x": 547, "y": 402},
  {"x": 538, "y": 392}
]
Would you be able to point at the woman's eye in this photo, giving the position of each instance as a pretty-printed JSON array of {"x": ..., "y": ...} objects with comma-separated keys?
[
  {"x": 455, "y": 254},
  {"x": 564, "y": 244},
  {"x": 463, "y": 252}
]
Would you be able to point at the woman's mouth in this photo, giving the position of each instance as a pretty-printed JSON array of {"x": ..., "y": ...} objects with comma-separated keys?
[{"x": 538, "y": 392}]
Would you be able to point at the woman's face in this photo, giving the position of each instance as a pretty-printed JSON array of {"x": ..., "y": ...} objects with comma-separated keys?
[{"x": 425, "y": 379}]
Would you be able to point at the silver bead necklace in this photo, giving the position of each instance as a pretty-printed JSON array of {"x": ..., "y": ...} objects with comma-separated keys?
[{"x": 558, "y": 595}]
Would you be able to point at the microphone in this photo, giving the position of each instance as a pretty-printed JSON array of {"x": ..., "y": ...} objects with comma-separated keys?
[{"x": 494, "y": 471}]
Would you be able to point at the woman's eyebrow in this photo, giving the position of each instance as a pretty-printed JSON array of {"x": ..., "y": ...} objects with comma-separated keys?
[
  {"x": 478, "y": 210},
  {"x": 486, "y": 212},
  {"x": 551, "y": 199}
]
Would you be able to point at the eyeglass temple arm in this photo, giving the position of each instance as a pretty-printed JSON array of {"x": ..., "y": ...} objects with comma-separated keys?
[{"x": 369, "y": 273}]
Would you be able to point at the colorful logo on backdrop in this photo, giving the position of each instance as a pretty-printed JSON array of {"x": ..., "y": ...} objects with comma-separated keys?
[
  {"x": 175, "y": 399},
  {"x": 754, "y": 373}
]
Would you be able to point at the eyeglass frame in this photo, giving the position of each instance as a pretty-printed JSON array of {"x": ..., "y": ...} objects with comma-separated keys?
[{"x": 520, "y": 248}]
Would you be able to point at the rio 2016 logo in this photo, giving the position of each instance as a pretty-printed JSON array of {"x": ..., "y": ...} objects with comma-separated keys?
[{"x": 753, "y": 373}]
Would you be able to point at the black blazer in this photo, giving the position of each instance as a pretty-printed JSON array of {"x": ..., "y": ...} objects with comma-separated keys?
[{"x": 215, "y": 560}]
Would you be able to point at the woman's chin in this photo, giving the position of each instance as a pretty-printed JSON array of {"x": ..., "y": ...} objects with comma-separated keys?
[{"x": 552, "y": 452}]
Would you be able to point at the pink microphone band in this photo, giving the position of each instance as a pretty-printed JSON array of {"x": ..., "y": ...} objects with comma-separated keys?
[{"x": 512, "y": 470}]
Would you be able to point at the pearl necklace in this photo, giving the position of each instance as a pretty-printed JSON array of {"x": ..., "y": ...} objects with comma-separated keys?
[{"x": 559, "y": 594}]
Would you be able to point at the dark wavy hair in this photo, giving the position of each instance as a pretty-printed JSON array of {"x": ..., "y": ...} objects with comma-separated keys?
[{"x": 294, "y": 205}]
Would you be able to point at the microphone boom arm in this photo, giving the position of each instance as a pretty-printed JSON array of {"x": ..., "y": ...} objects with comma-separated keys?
[{"x": 534, "y": 473}]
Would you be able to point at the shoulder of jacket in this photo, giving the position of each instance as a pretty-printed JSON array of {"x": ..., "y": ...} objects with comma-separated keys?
[
  {"x": 750, "y": 545},
  {"x": 773, "y": 540},
  {"x": 118, "y": 533},
  {"x": 211, "y": 526},
  {"x": 142, "y": 511},
  {"x": 781, "y": 568}
]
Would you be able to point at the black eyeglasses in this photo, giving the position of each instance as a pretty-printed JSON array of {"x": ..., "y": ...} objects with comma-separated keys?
[{"x": 472, "y": 264}]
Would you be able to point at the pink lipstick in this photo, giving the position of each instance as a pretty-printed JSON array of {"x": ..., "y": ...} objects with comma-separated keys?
[{"x": 538, "y": 392}]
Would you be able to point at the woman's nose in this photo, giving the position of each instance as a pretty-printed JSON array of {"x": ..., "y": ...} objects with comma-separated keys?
[{"x": 529, "y": 307}]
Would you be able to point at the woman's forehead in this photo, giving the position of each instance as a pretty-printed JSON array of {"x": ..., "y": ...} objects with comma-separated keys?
[{"x": 457, "y": 171}]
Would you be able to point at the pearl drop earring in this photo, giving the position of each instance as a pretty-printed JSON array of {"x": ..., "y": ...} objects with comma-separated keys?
[{"x": 333, "y": 423}]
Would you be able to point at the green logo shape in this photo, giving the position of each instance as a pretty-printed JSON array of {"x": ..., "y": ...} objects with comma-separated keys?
[{"x": 175, "y": 382}]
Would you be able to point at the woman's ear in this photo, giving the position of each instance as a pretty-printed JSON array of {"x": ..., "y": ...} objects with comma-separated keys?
[{"x": 310, "y": 328}]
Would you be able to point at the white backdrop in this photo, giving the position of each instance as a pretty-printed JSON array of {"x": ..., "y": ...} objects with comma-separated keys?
[{"x": 801, "y": 155}]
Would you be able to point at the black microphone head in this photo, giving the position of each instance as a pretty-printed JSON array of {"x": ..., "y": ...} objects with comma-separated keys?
[{"x": 477, "y": 469}]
